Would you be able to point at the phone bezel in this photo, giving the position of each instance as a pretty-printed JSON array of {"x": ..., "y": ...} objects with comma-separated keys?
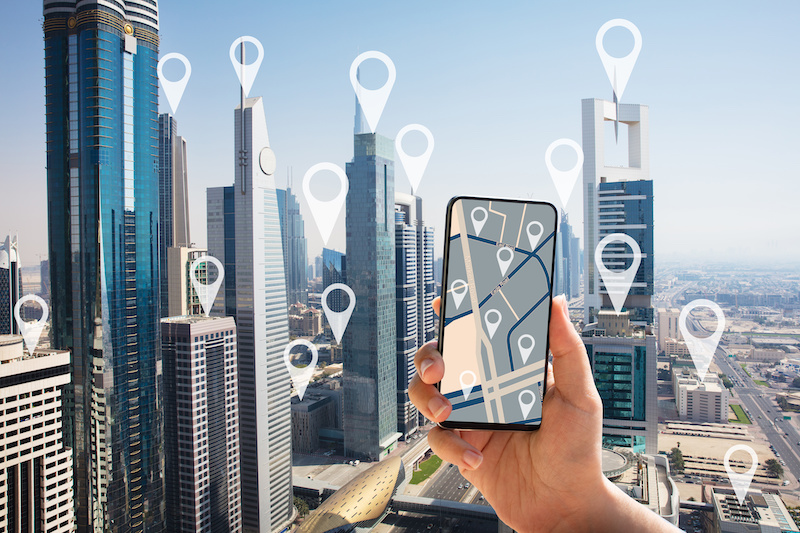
[{"x": 487, "y": 426}]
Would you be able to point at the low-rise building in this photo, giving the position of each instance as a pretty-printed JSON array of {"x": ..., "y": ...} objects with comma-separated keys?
[
  {"x": 760, "y": 511},
  {"x": 310, "y": 415},
  {"x": 700, "y": 401}
]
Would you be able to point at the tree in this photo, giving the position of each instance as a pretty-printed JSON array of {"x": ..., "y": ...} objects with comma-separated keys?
[
  {"x": 726, "y": 381},
  {"x": 783, "y": 403},
  {"x": 301, "y": 506},
  {"x": 774, "y": 467},
  {"x": 676, "y": 459},
  {"x": 796, "y": 382}
]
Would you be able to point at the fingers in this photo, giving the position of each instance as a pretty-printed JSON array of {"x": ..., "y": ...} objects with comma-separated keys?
[
  {"x": 428, "y": 400},
  {"x": 571, "y": 368},
  {"x": 437, "y": 304},
  {"x": 429, "y": 363},
  {"x": 449, "y": 446}
]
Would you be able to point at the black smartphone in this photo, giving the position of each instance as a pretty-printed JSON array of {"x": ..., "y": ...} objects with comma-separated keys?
[{"x": 495, "y": 311}]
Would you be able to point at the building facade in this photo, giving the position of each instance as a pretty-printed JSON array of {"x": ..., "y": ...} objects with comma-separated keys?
[
  {"x": 35, "y": 466},
  {"x": 258, "y": 302},
  {"x": 182, "y": 297},
  {"x": 415, "y": 293},
  {"x": 667, "y": 327},
  {"x": 369, "y": 344},
  {"x": 567, "y": 278},
  {"x": 295, "y": 256},
  {"x": 700, "y": 401},
  {"x": 103, "y": 217},
  {"x": 310, "y": 416},
  {"x": 201, "y": 425},
  {"x": 10, "y": 285},
  {"x": 221, "y": 236}
]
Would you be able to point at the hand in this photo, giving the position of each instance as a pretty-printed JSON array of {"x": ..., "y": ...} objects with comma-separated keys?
[{"x": 544, "y": 480}]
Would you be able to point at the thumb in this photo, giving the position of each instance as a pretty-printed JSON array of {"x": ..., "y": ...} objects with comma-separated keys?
[{"x": 571, "y": 368}]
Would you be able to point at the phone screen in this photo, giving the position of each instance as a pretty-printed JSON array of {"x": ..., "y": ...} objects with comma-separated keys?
[{"x": 496, "y": 293}]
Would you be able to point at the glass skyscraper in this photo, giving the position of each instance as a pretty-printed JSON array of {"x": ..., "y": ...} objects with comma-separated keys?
[
  {"x": 102, "y": 183},
  {"x": 10, "y": 285},
  {"x": 334, "y": 270},
  {"x": 369, "y": 344},
  {"x": 243, "y": 223},
  {"x": 295, "y": 257}
]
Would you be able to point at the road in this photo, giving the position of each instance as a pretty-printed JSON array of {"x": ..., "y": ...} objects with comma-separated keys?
[{"x": 445, "y": 484}]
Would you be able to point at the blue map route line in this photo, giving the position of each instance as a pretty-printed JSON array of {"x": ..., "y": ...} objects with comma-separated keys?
[{"x": 510, "y": 331}]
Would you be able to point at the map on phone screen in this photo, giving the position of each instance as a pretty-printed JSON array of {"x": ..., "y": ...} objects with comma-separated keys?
[{"x": 496, "y": 299}]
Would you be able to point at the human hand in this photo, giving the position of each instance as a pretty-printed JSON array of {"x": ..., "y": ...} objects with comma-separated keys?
[{"x": 544, "y": 480}]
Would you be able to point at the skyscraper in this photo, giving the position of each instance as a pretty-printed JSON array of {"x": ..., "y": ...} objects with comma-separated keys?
[
  {"x": 182, "y": 298},
  {"x": 221, "y": 236},
  {"x": 173, "y": 198},
  {"x": 259, "y": 305},
  {"x": 334, "y": 270},
  {"x": 10, "y": 285},
  {"x": 201, "y": 425},
  {"x": 415, "y": 293},
  {"x": 295, "y": 257},
  {"x": 101, "y": 103},
  {"x": 567, "y": 275},
  {"x": 369, "y": 344}
]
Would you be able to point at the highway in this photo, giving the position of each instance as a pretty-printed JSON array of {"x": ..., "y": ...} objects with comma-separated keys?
[{"x": 445, "y": 484}]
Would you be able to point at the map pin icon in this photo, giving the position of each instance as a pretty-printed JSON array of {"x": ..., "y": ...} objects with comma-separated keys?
[
  {"x": 564, "y": 180},
  {"x": 466, "y": 386},
  {"x": 492, "y": 324},
  {"x": 525, "y": 351},
  {"x": 372, "y": 101},
  {"x": 414, "y": 165},
  {"x": 526, "y": 406},
  {"x": 246, "y": 73},
  {"x": 300, "y": 376},
  {"x": 741, "y": 481},
  {"x": 479, "y": 216},
  {"x": 326, "y": 213},
  {"x": 174, "y": 89},
  {"x": 31, "y": 331},
  {"x": 505, "y": 255},
  {"x": 701, "y": 348},
  {"x": 458, "y": 297},
  {"x": 618, "y": 69},
  {"x": 338, "y": 320},
  {"x": 207, "y": 293},
  {"x": 534, "y": 231},
  {"x": 618, "y": 284}
]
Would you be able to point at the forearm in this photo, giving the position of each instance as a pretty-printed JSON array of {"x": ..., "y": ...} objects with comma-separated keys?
[{"x": 619, "y": 512}]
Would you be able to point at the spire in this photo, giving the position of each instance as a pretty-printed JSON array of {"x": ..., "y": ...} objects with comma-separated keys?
[{"x": 360, "y": 125}]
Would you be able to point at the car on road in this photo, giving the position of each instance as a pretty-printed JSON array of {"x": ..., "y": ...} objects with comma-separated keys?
[{"x": 460, "y": 485}]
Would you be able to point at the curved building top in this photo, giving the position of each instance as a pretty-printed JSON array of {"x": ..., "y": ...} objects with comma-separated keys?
[{"x": 136, "y": 17}]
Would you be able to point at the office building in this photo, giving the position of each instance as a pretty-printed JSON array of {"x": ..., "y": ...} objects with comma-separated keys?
[
  {"x": 181, "y": 296},
  {"x": 310, "y": 416},
  {"x": 333, "y": 269},
  {"x": 201, "y": 425},
  {"x": 370, "y": 378},
  {"x": 258, "y": 302},
  {"x": 305, "y": 321},
  {"x": 10, "y": 285},
  {"x": 293, "y": 237},
  {"x": 103, "y": 213},
  {"x": 667, "y": 327},
  {"x": 623, "y": 359},
  {"x": 567, "y": 275},
  {"x": 415, "y": 293},
  {"x": 318, "y": 266},
  {"x": 44, "y": 277},
  {"x": 700, "y": 401},
  {"x": 35, "y": 466},
  {"x": 761, "y": 512},
  {"x": 617, "y": 199},
  {"x": 173, "y": 199}
]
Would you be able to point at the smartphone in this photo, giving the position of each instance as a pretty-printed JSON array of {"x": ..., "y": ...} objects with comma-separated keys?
[{"x": 495, "y": 311}]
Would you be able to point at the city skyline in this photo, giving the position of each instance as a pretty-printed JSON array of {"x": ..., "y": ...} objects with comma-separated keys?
[{"x": 699, "y": 138}]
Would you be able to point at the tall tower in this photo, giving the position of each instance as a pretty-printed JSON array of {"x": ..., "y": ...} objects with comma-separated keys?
[
  {"x": 369, "y": 351},
  {"x": 173, "y": 198},
  {"x": 10, "y": 285},
  {"x": 295, "y": 257},
  {"x": 244, "y": 225},
  {"x": 102, "y": 182}
]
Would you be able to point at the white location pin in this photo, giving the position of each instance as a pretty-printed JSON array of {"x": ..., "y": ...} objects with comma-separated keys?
[
  {"x": 479, "y": 215},
  {"x": 618, "y": 69},
  {"x": 701, "y": 349},
  {"x": 505, "y": 255},
  {"x": 564, "y": 180},
  {"x": 300, "y": 376},
  {"x": 246, "y": 73},
  {"x": 207, "y": 293},
  {"x": 373, "y": 101},
  {"x": 466, "y": 387},
  {"x": 31, "y": 331},
  {"x": 525, "y": 351},
  {"x": 458, "y": 297},
  {"x": 338, "y": 319},
  {"x": 741, "y": 481},
  {"x": 618, "y": 284},
  {"x": 325, "y": 213},
  {"x": 414, "y": 165},
  {"x": 533, "y": 238},
  {"x": 490, "y": 324},
  {"x": 526, "y": 406},
  {"x": 174, "y": 89}
]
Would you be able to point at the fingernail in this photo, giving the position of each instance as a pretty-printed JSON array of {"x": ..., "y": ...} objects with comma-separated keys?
[
  {"x": 425, "y": 365},
  {"x": 566, "y": 307},
  {"x": 473, "y": 459},
  {"x": 437, "y": 406}
]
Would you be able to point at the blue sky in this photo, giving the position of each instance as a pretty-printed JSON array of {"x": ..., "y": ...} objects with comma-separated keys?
[{"x": 495, "y": 84}]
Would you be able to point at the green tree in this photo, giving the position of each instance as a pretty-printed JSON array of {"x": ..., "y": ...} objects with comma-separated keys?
[
  {"x": 301, "y": 506},
  {"x": 726, "y": 381},
  {"x": 676, "y": 459},
  {"x": 782, "y": 403},
  {"x": 774, "y": 467},
  {"x": 796, "y": 382}
]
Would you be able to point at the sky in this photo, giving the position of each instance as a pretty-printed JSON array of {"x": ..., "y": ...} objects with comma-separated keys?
[{"x": 495, "y": 84}]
